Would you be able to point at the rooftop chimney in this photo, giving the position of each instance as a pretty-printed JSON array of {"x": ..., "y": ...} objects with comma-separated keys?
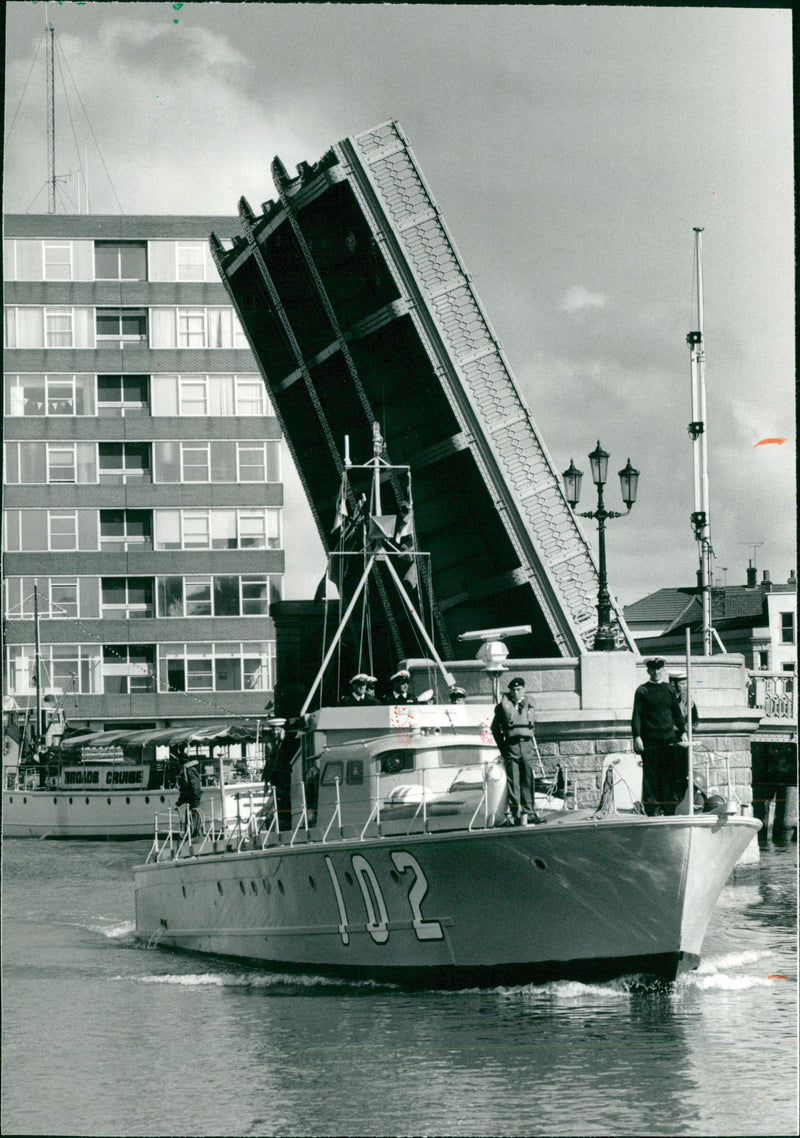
[
  {"x": 752, "y": 576},
  {"x": 766, "y": 581},
  {"x": 792, "y": 579}
]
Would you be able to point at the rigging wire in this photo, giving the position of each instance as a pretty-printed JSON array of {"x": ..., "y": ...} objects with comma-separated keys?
[
  {"x": 91, "y": 130},
  {"x": 61, "y": 63},
  {"x": 36, "y": 195},
  {"x": 25, "y": 87}
]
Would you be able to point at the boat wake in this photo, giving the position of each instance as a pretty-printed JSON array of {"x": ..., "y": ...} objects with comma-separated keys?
[
  {"x": 717, "y": 973},
  {"x": 282, "y": 982},
  {"x": 123, "y": 931}
]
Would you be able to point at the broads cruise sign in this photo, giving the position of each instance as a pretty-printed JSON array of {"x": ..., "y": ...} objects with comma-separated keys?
[{"x": 104, "y": 777}]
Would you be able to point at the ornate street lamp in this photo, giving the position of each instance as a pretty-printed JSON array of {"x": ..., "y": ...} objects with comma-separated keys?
[{"x": 604, "y": 640}]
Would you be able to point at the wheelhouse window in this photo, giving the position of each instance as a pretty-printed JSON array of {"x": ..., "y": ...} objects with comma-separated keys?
[
  {"x": 122, "y": 394},
  {"x": 120, "y": 463},
  {"x": 121, "y": 327},
  {"x": 125, "y": 529},
  {"x": 120, "y": 260}
]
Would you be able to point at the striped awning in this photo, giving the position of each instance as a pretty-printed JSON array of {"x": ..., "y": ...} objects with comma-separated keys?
[{"x": 223, "y": 732}]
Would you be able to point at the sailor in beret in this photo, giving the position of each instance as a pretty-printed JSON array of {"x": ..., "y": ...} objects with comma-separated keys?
[{"x": 399, "y": 688}]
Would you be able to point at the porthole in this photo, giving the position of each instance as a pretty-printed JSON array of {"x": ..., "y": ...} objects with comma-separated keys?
[
  {"x": 253, "y": 887},
  {"x": 219, "y": 887},
  {"x": 242, "y": 887},
  {"x": 147, "y": 799},
  {"x": 108, "y": 800},
  {"x": 55, "y": 801},
  {"x": 312, "y": 882},
  {"x": 266, "y": 885},
  {"x": 348, "y": 878},
  {"x": 127, "y": 801},
  {"x": 280, "y": 887},
  {"x": 163, "y": 799},
  {"x": 537, "y": 861},
  {"x": 183, "y": 890},
  {"x": 70, "y": 800},
  {"x": 87, "y": 801}
]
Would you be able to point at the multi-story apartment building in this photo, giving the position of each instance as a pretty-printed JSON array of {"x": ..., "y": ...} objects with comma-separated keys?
[{"x": 142, "y": 497}]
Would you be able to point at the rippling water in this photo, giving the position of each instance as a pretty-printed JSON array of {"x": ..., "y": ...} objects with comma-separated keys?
[{"x": 104, "y": 1037}]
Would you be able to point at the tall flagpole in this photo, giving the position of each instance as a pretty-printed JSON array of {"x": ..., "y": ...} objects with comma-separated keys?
[{"x": 701, "y": 519}]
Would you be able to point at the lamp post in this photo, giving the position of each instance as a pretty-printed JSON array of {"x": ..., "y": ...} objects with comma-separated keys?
[{"x": 604, "y": 640}]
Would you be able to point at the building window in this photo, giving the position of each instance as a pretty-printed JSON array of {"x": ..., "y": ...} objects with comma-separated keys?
[
  {"x": 128, "y": 668},
  {"x": 251, "y": 462},
  {"x": 122, "y": 394},
  {"x": 57, "y": 260},
  {"x": 66, "y": 669},
  {"x": 58, "y": 327},
  {"x": 118, "y": 327},
  {"x": 57, "y": 597},
  {"x": 28, "y": 395},
  {"x": 195, "y": 462},
  {"x": 191, "y": 328},
  {"x": 191, "y": 260},
  {"x": 126, "y": 598},
  {"x": 193, "y": 395},
  {"x": 248, "y": 595},
  {"x": 251, "y": 396},
  {"x": 217, "y": 529},
  {"x": 63, "y": 529},
  {"x": 763, "y": 660},
  {"x": 120, "y": 260},
  {"x": 121, "y": 463},
  {"x": 787, "y": 628},
  {"x": 125, "y": 529},
  {"x": 216, "y": 667},
  {"x": 61, "y": 466}
]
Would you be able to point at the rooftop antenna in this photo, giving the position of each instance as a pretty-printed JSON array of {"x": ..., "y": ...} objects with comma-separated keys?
[
  {"x": 51, "y": 115},
  {"x": 754, "y": 545},
  {"x": 697, "y": 429}
]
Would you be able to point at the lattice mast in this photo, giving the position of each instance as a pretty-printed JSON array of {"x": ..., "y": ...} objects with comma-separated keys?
[
  {"x": 701, "y": 518},
  {"x": 51, "y": 117}
]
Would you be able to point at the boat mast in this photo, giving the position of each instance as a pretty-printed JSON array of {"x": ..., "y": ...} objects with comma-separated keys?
[
  {"x": 51, "y": 116},
  {"x": 701, "y": 522},
  {"x": 37, "y": 665}
]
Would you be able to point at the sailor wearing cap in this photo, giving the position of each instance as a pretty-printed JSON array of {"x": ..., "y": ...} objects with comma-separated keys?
[
  {"x": 512, "y": 728},
  {"x": 457, "y": 694},
  {"x": 658, "y": 726},
  {"x": 399, "y": 688},
  {"x": 358, "y": 695}
]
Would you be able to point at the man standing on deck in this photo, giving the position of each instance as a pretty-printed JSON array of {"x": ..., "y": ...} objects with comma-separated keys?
[
  {"x": 659, "y": 727},
  {"x": 512, "y": 728},
  {"x": 190, "y": 791}
]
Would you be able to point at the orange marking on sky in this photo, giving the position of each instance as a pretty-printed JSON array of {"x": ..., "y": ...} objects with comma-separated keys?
[{"x": 761, "y": 442}]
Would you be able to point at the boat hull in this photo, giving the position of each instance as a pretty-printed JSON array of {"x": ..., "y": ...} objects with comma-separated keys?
[
  {"x": 87, "y": 814},
  {"x": 584, "y": 899}
]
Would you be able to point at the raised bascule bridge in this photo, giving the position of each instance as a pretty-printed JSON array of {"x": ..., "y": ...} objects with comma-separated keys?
[{"x": 359, "y": 310}]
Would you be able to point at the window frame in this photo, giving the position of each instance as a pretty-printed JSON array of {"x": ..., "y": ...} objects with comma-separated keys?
[
  {"x": 120, "y": 340},
  {"x": 118, "y": 246},
  {"x": 49, "y": 245}
]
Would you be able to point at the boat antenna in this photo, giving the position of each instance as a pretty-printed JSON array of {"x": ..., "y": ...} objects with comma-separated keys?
[{"x": 700, "y": 518}]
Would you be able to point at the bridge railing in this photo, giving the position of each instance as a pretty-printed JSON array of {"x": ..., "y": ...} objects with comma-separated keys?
[{"x": 774, "y": 692}]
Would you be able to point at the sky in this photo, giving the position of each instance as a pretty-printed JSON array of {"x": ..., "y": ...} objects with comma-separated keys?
[{"x": 572, "y": 151}]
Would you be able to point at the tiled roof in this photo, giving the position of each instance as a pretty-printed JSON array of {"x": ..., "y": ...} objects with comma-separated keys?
[{"x": 665, "y": 605}]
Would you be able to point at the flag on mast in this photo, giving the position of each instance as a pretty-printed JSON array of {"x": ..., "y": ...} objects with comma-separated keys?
[{"x": 341, "y": 505}]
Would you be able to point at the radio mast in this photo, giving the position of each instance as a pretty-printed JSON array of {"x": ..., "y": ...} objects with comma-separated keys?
[
  {"x": 701, "y": 523},
  {"x": 51, "y": 116}
]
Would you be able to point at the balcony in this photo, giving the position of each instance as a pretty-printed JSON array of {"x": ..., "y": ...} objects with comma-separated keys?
[{"x": 774, "y": 692}]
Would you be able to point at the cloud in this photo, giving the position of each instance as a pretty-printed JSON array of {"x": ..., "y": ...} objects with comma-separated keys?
[{"x": 579, "y": 299}]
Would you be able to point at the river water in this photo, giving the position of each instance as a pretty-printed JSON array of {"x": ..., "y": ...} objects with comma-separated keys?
[{"x": 102, "y": 1036}]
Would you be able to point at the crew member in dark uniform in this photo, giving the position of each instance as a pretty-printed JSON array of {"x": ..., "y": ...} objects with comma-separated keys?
[
  {"x": 512, "y": 728},
  {"x": 358, "y": 696},
  {"x": 399, "y": 691},
  {"x": 658, "y": 727}
]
